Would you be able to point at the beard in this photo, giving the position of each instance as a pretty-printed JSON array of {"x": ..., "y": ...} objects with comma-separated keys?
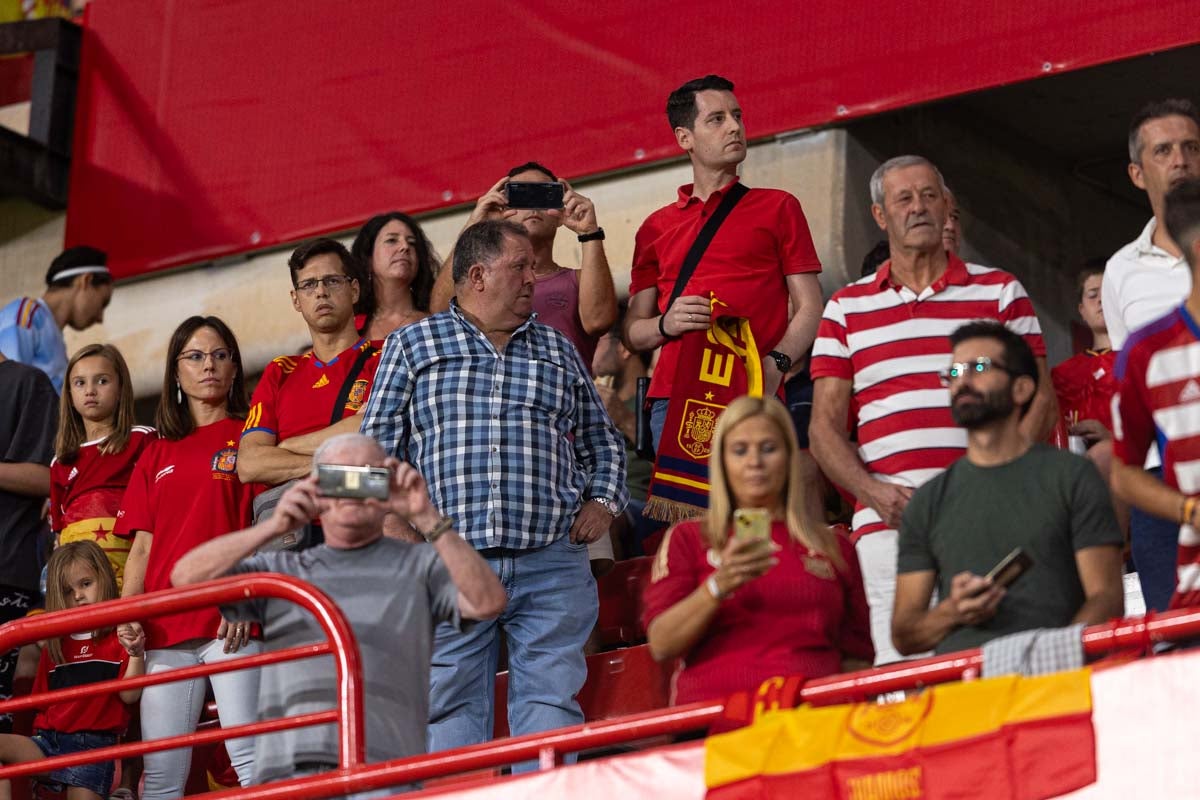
[{"x": 977, "y": 409}]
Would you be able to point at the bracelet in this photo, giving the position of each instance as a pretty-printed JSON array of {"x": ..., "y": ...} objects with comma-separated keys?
[
  {"x": 433, "y": 534},
  {"x": 714, "y": 588},
  {"x": 662, "y": 319},
  {"x": 595, "y": 236},
  {"x": 1189, "y": 509}
]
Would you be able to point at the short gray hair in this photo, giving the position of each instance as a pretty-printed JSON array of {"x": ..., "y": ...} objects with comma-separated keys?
[
  {"x": 900, "y": 162},
  {"x": 346, "y": 440},
  {"x": 482, "y": 243}
]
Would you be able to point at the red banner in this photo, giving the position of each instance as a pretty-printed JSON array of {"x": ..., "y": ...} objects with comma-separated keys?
[{"x": 207, "y": 128}]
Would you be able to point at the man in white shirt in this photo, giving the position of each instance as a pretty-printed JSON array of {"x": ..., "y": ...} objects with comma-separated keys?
[{"x": 1145, "y": 280}]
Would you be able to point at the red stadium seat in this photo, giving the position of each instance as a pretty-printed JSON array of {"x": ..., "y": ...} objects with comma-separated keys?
[{"x": 620, "y": 620}]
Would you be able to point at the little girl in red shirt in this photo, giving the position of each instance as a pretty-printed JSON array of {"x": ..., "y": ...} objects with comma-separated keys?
[{"x": 79, "y": 574}]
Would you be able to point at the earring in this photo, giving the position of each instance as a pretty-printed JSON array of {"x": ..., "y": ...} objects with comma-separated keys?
[{"x": 178, "y": 393}]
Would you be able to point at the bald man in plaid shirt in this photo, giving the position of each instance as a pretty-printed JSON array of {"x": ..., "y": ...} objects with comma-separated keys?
[{"x": 499, "y": 414}]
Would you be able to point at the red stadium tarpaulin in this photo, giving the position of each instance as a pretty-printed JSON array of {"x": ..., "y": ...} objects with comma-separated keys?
[{"x": 209, "y": 127}]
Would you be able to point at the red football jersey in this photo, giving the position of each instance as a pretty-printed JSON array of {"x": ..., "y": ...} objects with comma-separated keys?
[
  {"x": 296, "y": 394},
  {"x": 1085, "y": 385},
  {"x": 85, "y": 660},
  {"x": 85, "y": 495},
  {"x": 185, "y": 493}
]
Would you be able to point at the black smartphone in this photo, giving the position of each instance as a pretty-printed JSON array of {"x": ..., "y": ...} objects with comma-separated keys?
[
  {"x": 530, "y": 195},
  {"x": 335, "y": 480},
  {"x": 1011, "y": 567}
]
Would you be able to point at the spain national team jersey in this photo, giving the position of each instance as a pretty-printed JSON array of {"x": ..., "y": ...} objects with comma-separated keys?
[
  {"x": 296, "y": 393},
  {"x": 185, "y": 493},
  {"x": 1085, "y": 385},
  {"x": 85, "y": 495},
  {"x": 1158, "y": 401}
]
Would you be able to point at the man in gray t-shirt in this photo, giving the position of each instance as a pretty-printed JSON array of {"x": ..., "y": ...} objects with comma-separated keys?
[
  {"x": 392, "y": 592},
  {"x": 1006, "y": 492}
]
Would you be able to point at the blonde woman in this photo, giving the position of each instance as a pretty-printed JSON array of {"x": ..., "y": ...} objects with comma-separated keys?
[{"x": 737, "y": 610}]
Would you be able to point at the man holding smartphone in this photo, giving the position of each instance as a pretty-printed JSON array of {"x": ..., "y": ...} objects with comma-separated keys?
[
  {"x": 393, "y": 593},
  {"x": 960, "y": 530}
]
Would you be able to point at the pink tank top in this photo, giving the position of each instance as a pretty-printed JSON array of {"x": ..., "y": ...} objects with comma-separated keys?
[{"x": 556, "y": 301}]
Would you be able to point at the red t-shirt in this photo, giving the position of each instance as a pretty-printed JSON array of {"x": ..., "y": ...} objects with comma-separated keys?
[
  {"x": 800, "y": 618},
  {"x": 296, "y": 393},
  {"x": 85, "y": 495},
  {"x": 185, "y": 493},
  {"x": 762, "y": 241},
  {"x": 1085, "y": 385},
  {"x": 85, "y": 660}
]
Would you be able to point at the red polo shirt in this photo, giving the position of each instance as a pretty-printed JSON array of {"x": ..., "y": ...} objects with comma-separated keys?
[{"x": 764, "y": 239}]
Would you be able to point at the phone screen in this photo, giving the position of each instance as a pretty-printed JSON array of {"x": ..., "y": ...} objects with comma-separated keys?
[
  {"x": 1011, "y": 567},
  {"x": 534, "y": 195}
]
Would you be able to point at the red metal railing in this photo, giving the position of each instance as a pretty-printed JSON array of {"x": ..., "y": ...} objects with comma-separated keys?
[
  {"x": 340, "y": 643},
  {"x": 548, "y": 747}
]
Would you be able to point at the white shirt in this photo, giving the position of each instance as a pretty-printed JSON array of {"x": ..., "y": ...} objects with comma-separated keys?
[{"x": 1141, "y": 283}]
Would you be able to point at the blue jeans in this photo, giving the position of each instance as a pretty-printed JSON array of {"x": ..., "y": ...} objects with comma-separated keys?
[
  {"x": 658, "y": 419},
  {"x": 552, "y": 608},
  {"x": 96, "y": 777},
  {"x": 1155, "y": 545}
]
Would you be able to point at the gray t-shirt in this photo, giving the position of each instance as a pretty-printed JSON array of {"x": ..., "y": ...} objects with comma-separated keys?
[
  {"x": 393, "y": 593},
  {"x": 1048, "y": 502}
]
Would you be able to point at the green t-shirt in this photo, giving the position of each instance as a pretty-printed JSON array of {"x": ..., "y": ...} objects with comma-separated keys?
[{"x": 1048, "y": 502}]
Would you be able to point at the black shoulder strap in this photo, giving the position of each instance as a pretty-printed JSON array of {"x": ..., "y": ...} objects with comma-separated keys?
[
  {"x": 735, "y": 193},
  {"x": 339, "y": 405}
]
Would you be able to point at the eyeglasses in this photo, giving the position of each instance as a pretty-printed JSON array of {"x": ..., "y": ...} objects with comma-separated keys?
[
  {"x": 197, "y": 357},
  {"x": 959, "y": 369},
  {"x": 330, "y": 282}
]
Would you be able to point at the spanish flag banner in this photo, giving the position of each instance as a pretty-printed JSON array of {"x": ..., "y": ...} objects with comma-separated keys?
[
  {"x": 1008, "y": 737},
  {"x": 714, "y": 367}
]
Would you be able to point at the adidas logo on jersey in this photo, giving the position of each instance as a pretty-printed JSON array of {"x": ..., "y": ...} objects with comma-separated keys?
[
  {"x": 1190, "y": 393},
  {"x": 322, "y": 381}
]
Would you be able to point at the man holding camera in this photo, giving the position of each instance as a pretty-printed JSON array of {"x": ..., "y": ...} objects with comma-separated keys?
[
  {"x": 582, "y": 303},
  {"x": 499, "y": 413},
  {"x": 392, "y": 592},
  {"x": 1005, "y": 494}
]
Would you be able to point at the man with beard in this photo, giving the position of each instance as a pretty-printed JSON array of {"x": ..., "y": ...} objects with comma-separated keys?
[{"x": 1006, "y": 493}]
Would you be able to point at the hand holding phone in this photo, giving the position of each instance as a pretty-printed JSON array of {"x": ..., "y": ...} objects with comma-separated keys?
[
  {"x": 752, "y": 525},
  {"x": 1011, "y": 567},
  {"x": 535, "y": 195}
]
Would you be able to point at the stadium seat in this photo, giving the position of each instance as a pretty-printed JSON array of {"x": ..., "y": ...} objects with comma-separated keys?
[{"x": 620, "y": 591}]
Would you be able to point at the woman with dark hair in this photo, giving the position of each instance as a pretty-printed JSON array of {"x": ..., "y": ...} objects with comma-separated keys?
[
  {"x": 184, "y": 492},
  {"x": 757, "y": 588},
  {"x": 397, "y": 264}
]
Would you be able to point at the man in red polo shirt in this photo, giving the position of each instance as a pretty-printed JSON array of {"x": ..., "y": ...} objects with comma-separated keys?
[
  {"x": 292, "y": 411},
  {"x": 882, "y": 341},
  {"x": 761, "y": 257}
]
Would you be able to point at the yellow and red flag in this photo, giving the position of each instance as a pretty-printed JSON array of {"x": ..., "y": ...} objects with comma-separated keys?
[{"x": 1008, "y": 737}]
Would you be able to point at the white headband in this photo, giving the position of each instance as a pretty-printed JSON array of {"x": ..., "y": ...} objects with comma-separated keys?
[{"x": 73, "y": 271}]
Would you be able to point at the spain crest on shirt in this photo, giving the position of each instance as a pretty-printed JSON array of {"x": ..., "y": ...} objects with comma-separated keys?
[
  {"x": 224, "y": 461},
  {"x": 358, "y": 395}
]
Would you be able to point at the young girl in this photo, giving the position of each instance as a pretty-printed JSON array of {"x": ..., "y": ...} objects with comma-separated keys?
[
  {"x": 96, "y": 449},
  {"x": 79, "y": 575}
]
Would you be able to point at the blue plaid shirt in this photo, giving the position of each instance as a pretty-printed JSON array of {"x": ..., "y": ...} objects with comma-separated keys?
[{"x": 512, "y": 445}]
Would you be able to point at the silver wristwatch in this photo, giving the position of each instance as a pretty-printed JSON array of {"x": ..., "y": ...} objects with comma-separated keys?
[{"x": 609, "y": 505}]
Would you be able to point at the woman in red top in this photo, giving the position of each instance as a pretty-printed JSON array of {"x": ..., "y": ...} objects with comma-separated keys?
[
  {"x": 737, "y": 611},
  {"x": 184, "y": 492},
  {"x": 78, "y": 574}
]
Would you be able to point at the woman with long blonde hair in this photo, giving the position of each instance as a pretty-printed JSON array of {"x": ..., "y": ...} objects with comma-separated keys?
[{"x": 757, "y": 587}]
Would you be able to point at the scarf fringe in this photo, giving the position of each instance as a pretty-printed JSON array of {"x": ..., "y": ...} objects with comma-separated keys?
[{"x": 670, "y": 511}]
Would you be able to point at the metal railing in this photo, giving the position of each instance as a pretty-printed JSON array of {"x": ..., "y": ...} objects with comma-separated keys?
[{"x": 353, "y": 775}]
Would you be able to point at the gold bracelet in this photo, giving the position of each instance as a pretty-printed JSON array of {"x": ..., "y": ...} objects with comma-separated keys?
[{"x": 1189, "y": 509}]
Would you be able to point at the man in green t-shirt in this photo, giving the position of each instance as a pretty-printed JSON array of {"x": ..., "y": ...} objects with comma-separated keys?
[{"x": 1006, "y": 492}]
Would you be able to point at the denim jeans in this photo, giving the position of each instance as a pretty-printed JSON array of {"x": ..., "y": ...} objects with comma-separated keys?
[
  {"x": 658, "y": 419},
  {"x": 1155, "y": 546},
  {"x": 552, "y": 607},
  {"x": 174, "y": 708}
]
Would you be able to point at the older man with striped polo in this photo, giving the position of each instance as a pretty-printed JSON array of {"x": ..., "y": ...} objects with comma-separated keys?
[{"x": 881, "y": 343}]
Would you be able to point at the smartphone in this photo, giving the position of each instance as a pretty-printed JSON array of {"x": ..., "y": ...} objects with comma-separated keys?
[
  {"x": 752, "y": 524},
  {"x": 525, "y": 194},
  {"x": 335, "y": 480},
  {"x": 1011, "y": 567}
]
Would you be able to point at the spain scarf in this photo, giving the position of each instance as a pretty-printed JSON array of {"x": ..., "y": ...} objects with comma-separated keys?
[
  {"x": 1004, "y": 738},
  {"x": 714, "y": 367}
]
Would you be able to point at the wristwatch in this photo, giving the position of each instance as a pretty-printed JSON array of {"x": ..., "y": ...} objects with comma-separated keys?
[
  {"x": 782, "y": 360},
  {"x": 595, "y": 236},
  {"x": 444, "y": 524},
  {"x": 610, "y": 506}
]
